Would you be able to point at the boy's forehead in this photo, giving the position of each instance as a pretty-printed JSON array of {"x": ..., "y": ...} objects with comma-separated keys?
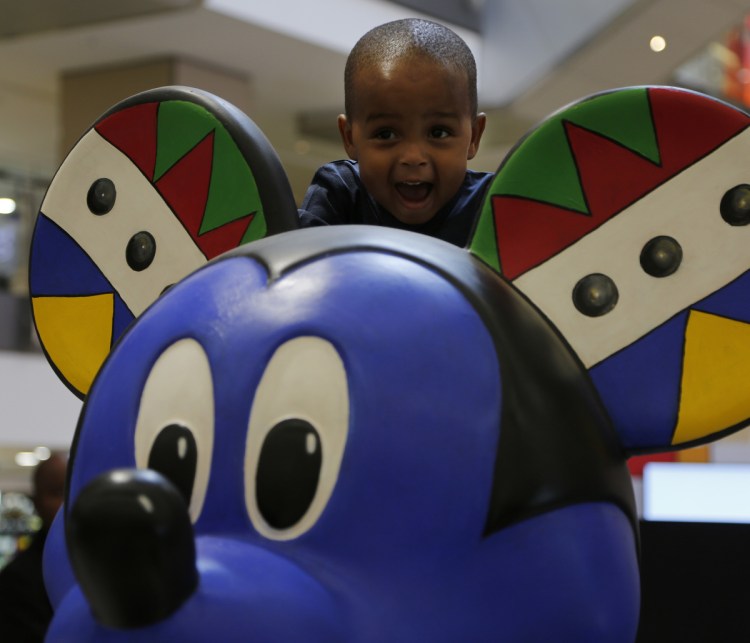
[
  {"x": 377, "y": 79},
  {"x": 403, "y": 63}
]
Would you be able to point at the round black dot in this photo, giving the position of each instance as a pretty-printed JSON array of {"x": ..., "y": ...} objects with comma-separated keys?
[
  {"x": 595, "y": 295},
  {"x": 288, "y": 472},
  {"x": 735, "y": 205},
  {"x": 661, "y": 256},
  {"x": 101, "y": 196},
  {"x": 174, "y": 454},
  {"x": 140, "y": 251}
]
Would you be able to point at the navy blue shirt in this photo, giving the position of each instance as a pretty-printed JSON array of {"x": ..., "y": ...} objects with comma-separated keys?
[{"x": 337, "y": 196}]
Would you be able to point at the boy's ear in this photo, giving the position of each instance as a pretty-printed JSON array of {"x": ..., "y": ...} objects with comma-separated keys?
[
  {"x": 345, "y": 129},
  {"x": 477, "y": 129}
]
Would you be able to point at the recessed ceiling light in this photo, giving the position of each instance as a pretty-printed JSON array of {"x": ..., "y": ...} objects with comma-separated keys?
[
  {"x": 7, "y": 205},
  {"x": 657, "y": 43},
  {"x": 26, "y": 459}
]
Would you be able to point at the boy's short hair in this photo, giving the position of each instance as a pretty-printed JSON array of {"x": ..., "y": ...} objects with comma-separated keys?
[{"x": 410, "y": 36}]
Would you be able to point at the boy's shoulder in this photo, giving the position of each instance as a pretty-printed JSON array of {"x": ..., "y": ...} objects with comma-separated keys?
[
  {"x": 337, "y": 177},
  {"x": 474, "y": 186},
  {"x": 343, "y": 169},
  {"x": 336, "y": 195}
]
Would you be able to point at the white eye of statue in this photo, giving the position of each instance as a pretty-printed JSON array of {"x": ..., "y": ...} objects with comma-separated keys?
[
  {"x": 174, "y": 432},
  {"x": 296, "y": 437}
]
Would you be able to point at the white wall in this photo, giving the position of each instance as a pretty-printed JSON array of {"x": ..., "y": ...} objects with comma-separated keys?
[{"x": 37, "y": 408}]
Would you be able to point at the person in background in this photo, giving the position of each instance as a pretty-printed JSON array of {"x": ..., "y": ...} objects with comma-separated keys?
[
  {"x": 25, "y": 610},
  {"x": 410, "y": 127}
]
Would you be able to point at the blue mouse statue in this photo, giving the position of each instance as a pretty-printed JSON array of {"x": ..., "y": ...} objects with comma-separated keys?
[
  {"x": 346, "y": 434},
  {"x": 369, "y": 436}
]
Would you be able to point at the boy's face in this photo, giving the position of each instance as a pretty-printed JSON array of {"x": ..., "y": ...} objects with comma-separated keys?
[{"x": 412, "y": 132}]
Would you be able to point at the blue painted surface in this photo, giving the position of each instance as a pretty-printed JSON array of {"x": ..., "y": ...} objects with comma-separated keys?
[{"x": 398, "y": 553}]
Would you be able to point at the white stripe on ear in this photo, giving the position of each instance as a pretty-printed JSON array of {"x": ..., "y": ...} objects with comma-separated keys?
[
  {"x": 685, "y": 208},
  {"x": 138, "y": 207}
]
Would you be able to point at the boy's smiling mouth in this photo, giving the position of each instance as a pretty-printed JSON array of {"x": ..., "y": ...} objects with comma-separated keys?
[{"x": 413, "y": 191}]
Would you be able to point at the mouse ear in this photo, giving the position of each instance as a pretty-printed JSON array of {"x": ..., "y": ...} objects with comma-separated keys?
[
  {"x": 160, "y": 184},
  {"x": 623, "y": 217}
]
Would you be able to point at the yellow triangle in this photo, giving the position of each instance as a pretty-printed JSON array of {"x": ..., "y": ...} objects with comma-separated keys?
[
  {"x": 715, "y": 377},
  {"x": 76, "y": 333}
]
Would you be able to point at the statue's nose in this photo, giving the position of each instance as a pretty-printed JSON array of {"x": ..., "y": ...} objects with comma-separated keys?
[{"x": 131, "y": 546}]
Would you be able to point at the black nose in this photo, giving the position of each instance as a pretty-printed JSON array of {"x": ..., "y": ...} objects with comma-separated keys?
[{"x": 131, "y": 546}]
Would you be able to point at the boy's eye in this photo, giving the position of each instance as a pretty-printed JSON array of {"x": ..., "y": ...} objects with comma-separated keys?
[
  {"x": 385, "y": 135},
  {"x": 439, "y": 132}
]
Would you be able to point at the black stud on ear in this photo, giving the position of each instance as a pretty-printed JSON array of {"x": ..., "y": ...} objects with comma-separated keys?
[
  {"x": 661, "y": 256},
  {"x": 595, "y": 295},
  {"x": 140, "y": 251},
  {"x": 101, "y": 196},
  {"x": 735, "y": 205}
]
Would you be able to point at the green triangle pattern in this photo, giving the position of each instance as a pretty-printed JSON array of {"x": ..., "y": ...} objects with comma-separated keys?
[
  {"x": 181, "y": 126},
  {"x": 623, "y": 116},
  {"x": 256, "y": 229},
  {"x": 233, "y": 192},
  {"x": 542, "y": 167}
]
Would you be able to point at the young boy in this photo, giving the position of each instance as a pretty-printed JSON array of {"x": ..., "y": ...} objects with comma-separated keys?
[{"x": 411, "y": 124}]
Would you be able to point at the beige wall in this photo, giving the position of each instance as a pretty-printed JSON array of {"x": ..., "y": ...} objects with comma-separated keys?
[{"x": 87, "y": 93}]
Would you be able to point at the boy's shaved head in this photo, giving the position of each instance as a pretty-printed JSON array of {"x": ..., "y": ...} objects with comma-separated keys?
[{"x": 411, "y": 37}]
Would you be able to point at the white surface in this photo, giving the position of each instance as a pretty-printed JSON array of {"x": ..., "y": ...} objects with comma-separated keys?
[
  {"x": 138, "y": 207},
  {"x": 693, "y": 492},
  {"x": 37, "y": 408},
  {"x": 686, "y": 207}
]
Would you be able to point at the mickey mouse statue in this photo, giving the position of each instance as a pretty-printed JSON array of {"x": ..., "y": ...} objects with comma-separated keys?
[{"x": 364, "y": 434}]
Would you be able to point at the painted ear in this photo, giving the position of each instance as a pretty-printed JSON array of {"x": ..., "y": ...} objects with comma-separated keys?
[
  {"x": 623, "y": 217},
  {"x": 160, "y": 184}
]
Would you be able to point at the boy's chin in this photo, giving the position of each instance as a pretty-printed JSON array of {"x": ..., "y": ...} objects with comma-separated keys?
[
  {"x": 414, "y": 220},
  {"x": 414, "y": 216}
]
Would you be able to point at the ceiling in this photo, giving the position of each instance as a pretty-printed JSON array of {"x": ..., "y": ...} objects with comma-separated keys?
[{"x": 291, "y": 54}]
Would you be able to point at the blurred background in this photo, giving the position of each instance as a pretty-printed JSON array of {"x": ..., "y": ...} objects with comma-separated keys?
[{"x": 63, "y": 63}]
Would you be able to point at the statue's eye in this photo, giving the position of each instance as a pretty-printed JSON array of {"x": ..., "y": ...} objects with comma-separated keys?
[
  {"x": 296, "y": 436},
  {"x": 735, "y": 205},
  {"x": 595, "y": 295},
  {"x": 288, "y": 472},
  {"x": 101, "y": 196},
  {"x": 174, "y": 454},
  {"x": 661, "y": 256},
  {"x": 174, "y": 432}
]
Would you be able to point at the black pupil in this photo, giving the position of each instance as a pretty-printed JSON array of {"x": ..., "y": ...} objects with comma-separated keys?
[
  {"x": 140, "y": 251},
  {"x": 661, "y": 256},
  {"x": 595, "y": 295},
  {"x": 288, "y": 472},
  {"x": 101, "y": 196},
  {"x": 175, "y": 455},
  {"x": 735, "y": 205}
]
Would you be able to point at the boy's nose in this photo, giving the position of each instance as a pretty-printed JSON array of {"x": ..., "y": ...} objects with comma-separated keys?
[{"x": 413, "y": 153}]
